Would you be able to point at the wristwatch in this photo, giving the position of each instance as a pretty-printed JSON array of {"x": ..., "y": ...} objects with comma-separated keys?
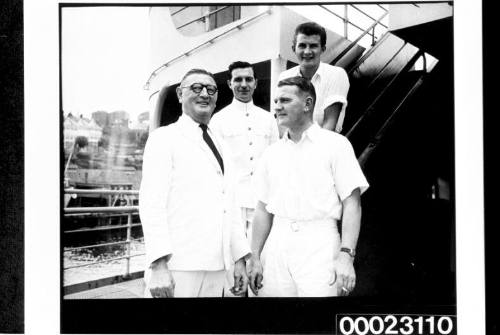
[{"x": 350, "y": 251}]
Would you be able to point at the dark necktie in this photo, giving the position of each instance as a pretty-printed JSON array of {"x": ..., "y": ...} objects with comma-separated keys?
[{"x": 211, "y": 144}]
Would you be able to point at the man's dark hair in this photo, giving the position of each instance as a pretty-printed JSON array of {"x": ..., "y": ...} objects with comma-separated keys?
[
  {"x": 240, "y": 65},
  {"x": 308, "y": 29},
  {"x": 197, "y": 71},
  {"x": 302, "y": 83}
]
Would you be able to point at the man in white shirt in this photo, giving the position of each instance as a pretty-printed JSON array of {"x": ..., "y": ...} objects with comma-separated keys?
[
  {"x": 330, "y": 82},
  {"x": 188, "y": 214},
  {"x": 247, "y": 130},
  {"x": 306, "y": 182}
]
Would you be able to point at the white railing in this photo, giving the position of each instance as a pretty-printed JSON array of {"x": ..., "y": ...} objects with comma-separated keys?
[{"x": 128, "y": 210}]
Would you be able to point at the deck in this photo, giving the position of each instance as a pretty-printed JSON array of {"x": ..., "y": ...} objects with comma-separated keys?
[{"x": 123, "y": 290}]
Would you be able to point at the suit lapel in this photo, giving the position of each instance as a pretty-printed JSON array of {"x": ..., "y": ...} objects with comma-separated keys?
[
  {"x": 210, "y": 154},
  {"x": 198, "y": 140}
]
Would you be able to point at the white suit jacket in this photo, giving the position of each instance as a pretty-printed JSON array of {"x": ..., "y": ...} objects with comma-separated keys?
[{"x": 186, "y": 204}]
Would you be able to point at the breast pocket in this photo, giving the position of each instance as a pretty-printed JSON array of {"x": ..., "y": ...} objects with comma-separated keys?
[
  {"x": 260, "y": 138},
  {"x": 236, "y": 140},
  {"x": 321, "y": 182}
]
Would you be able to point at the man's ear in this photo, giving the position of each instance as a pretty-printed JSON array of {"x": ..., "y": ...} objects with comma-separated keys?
[
  {"x": 256, "y": 82},
  {"x": 293, "y": 47},
  {"x": 178, "y": 91},
  {"x": 309, "y": 103},
  {"x": 323, "y": 48},
  {"x": 229, "y": 83}
]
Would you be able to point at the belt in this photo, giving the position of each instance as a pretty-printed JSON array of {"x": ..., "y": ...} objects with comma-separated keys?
[{"x": 296, "y": 225}]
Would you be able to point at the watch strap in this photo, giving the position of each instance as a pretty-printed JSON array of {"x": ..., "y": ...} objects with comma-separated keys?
[{"x": 350, "y": 251}]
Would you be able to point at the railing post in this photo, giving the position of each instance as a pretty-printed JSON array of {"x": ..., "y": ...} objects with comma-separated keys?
[
  {"x": 346, "y": 20},
  {"x": 129, "y": 239},
  {"x": 353, "y": 43},
  {"x": 206, "y": 20},
  {"x": 128, "y": 244}
]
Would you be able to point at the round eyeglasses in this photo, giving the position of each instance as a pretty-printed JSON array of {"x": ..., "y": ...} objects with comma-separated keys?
[{"x": 197, "y": 88}]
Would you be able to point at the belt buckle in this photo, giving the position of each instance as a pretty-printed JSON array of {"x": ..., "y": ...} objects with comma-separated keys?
[{"x": 295, "y": 226}]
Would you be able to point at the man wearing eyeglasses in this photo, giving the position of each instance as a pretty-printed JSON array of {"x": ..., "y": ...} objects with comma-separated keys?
[
  {"x": 247, "y": 130},
  {"x": 189, "y": 218}
]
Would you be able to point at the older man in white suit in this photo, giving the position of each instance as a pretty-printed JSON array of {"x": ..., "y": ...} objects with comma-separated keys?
[{"x": 190, "y": 220}]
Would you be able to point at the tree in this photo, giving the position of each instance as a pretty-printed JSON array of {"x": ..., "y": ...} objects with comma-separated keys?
[
  {"x": 143, "y": 139},
  {"x": 103, "y": 142},
  {"x": 81, "y": 142},
  {"x": 131, "y": 135}
]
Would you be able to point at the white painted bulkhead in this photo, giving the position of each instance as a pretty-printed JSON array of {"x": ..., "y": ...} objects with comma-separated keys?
[
  {"x": 254, "y": 42},
  {"x": 263, "y": 33}
]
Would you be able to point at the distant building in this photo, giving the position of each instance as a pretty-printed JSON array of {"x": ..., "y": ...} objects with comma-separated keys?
[
  {"x": 143, "y": 117},
  {"x": 80, "y": 126},
  {"x": 101, "y": 118},
  {"x": 142, "y": 122},
  {"x": 119, "y": 119}
]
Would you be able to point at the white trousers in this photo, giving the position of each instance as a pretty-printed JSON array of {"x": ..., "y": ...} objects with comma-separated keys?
[
  {"x": 298, "y": 258},
  {"x": 246, "y": 221},
  {"x": 195, "y": 284}
]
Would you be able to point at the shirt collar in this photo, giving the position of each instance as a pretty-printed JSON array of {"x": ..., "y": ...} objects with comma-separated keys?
[
  {"x": 310, "y": 133},
  {"x": 320, "y": 71},
  {"x": 241, "y": 106},
  {"x": 317, "y": 75},
  {"x": 186, "y": 122},
  {"x": 313, "y": 132}
]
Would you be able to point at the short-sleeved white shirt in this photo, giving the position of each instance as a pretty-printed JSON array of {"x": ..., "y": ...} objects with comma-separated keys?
[
  {"x": 247, "y": 130},
  {"x": 331, "y": 84},
  {"x": 309, "y": 180}
]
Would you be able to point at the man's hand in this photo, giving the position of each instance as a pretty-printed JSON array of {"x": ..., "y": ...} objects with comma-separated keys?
[
  {"x": 161, "y": 283},
  {"x": 240, "y": 278},
  {"x": 255, "y": 272},
  {"x": 344, "y": 274}
]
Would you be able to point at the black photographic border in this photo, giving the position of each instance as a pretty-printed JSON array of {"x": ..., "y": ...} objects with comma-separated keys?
[{"x": 158, "y": 310}]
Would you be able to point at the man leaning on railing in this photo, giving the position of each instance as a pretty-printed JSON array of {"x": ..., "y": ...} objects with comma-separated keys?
[{"x": 330, "y": 82}]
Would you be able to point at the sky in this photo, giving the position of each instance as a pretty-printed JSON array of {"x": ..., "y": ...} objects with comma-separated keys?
[{"x": 105, "y": 59}]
